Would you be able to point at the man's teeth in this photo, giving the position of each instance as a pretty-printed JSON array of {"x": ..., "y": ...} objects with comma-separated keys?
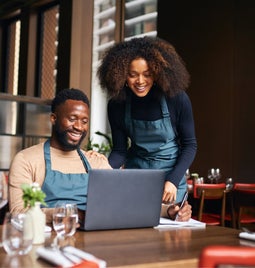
[{"x": 76, "y": 134}]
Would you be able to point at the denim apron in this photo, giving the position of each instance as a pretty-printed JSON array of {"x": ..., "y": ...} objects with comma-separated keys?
[
  {"x": 66, "y": 187},
  {"x": 154, "y": 144}
]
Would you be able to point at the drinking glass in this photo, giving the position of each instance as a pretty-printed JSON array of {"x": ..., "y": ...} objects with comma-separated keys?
[
  {"x": 187, "y": 174},
  {"x": 65, "y": 219},
  {"x": 229, "y": 183},
  {"x": 217, "y": 175},
  {"x": 214, "y": 175},
  {"x": 211, "y": 174},
  {"x": 14, "y": 241}
]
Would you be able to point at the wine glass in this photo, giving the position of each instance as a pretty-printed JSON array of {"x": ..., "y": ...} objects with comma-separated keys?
[
  {"x": 217, "y": 175},
  {"x": 187, "y": 174},
  {"x": 65, "y": 219},
  {"x": 14, "y": 240},
  {"x": 211, "y": 175},
  {"x": 214, "y": 175},
  {"x": 229, "y": 183}
]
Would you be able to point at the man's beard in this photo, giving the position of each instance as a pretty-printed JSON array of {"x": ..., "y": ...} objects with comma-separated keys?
[{"x": 62, "y": 139}]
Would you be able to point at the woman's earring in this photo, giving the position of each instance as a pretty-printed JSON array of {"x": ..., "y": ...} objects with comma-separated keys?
[{"x": 126, "y": 84}]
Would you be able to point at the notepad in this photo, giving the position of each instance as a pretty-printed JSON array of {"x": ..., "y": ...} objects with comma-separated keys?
[{"x": 165, "y": 223}]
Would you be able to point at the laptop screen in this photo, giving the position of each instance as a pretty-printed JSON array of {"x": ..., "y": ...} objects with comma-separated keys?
[{"x": 124, "y": 198}]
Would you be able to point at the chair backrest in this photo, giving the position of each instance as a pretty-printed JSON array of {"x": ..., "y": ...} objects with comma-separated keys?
[
  {"x": 215, "y": 255},
  {"x": 212, "y": 191},
  {"x": 243, "y": 198},
  {"x": 250, "y": 186},
  {"x": 244, "y": 195},
  {"x": 197, "y": 188},
  {"x": 4, "y": 196}
]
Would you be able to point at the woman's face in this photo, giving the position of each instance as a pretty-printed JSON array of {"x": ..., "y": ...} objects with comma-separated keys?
[{"x": 139, "y": 77}]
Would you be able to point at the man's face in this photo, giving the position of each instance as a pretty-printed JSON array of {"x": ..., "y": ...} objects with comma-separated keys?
[{"x": 70, "y": 125}]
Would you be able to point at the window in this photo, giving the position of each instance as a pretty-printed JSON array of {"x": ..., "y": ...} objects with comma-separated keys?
[
  {"x": 140, "y": 18},
  {"x": 29, "y": 43},
  {"x": 48, "y": 52},
  {"x": 12, "y": 57}
]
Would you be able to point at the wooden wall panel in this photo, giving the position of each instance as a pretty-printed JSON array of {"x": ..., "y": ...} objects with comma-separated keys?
[{"x": 216, "y": 40}]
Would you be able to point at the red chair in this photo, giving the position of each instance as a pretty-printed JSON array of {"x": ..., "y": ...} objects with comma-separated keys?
[
  {"x": 211, "y": 192},
  {"x": 244, "y": 200},
  {"x": 249, "y": 186},
  {"x": 198, "y": 186},
  {"x": 215, "y": 255}
]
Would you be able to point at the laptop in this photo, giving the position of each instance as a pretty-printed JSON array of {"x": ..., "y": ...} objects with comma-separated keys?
[{"x": 123, "y": 198}]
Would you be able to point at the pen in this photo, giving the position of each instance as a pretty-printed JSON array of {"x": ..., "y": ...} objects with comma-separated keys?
[{"x": 185, "y": 197}]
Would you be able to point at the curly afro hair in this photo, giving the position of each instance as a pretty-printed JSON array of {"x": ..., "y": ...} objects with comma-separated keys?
[{"x": 167, "y": 67}]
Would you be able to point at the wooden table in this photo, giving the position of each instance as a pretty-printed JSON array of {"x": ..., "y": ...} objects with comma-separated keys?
[{"x": 138, "y": 248}]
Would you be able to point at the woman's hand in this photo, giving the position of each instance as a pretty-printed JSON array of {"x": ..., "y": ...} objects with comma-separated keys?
[
  {"x": 97, "y": 154},
  {"x": 183, "y": 214},
  {"x": 169, "y": 195}
]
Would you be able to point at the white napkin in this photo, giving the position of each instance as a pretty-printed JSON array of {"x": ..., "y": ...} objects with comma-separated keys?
[
  {"x": 53, "y": 256},
  {"x": 68, "y": 256},
  {"x": 245, "y": 235}
]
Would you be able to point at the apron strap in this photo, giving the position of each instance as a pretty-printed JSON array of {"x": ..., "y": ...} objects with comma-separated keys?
[
  {"x": 47, "y": 154},
  {"x": 84, "y": 160},
  {"x": 164, "y": 108}
]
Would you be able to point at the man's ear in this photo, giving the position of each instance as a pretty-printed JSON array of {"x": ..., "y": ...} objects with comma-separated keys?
[{"x": 53, "y": 118}]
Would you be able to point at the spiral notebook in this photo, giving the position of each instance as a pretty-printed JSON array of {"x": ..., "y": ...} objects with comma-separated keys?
[{"x": 123, "y": 198}]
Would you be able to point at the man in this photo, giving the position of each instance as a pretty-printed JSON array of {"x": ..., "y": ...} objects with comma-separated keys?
[{"x": 59, "y": 165}]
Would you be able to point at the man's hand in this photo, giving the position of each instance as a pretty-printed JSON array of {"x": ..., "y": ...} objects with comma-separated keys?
[{"x": 183, "y": 214}]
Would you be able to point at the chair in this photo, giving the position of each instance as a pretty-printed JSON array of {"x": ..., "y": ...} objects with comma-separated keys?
[
  {"x": 198, "y": 186},
  {"x": 216, "y": 255},
  {"x": 244, "y": 199},
  {"x": 211, "y": 192},
  {"x": 239, "y": 185},
  {"x": 4, "y": 196}
]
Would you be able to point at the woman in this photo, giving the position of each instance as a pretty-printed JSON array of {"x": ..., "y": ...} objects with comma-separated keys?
[{"x": 146, "y": 80}]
